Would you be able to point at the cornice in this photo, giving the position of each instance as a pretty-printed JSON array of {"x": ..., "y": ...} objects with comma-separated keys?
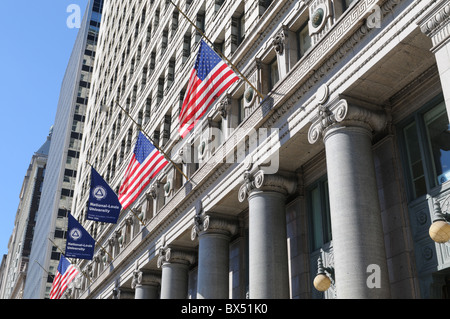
[{"x": 436, "y": 23}]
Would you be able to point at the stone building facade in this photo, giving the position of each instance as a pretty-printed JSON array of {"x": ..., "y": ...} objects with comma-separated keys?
[{"x": 336, "y": 155}]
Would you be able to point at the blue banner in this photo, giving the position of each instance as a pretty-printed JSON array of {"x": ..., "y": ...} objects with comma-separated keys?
[
  {"x": 80, "y": 243},
  {"x": 104, "y": 205}
]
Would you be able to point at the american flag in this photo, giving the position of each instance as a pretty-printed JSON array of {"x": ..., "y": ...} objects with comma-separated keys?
[
  {"x": 145, "y": 164},
  {"x": 64, "y": 275},
  {"x": 209, "y": 79}
]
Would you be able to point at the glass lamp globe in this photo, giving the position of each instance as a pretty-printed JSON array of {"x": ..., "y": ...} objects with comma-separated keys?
[
  {"x": 322, "y": 282},
  {"x": 440, "y": 231}
]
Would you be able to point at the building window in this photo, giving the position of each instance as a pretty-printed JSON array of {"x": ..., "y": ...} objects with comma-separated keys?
[
  {"x": 416, "y": 172},
  {"x": 274, "y": 75},
  {"x": 303, "y": 40},
  {"x": 241, "y": 115},
  {"x": 319, "y": 214},
  {"x": 346, "y": 4},
  {"x": 237, "y": 27},
  {"x": 218, "y": 4},
  {"x": 427, "y": 149},
  {"x": 438, "y": 139},
  {"x": 200, "y": 23},
  {"x": 186, "y": 47},
  {"x": 263, "y": 5}
]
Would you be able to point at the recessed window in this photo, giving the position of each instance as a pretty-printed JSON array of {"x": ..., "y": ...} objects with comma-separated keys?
[
  {"x": 274, "y": 75},
  {"x": 426, "y": 140},
  {"x": 319, "y": 215},
  {"x": 416, "y": 172},
  {"x": 303, "y": 40},
  {"x": 438, "y": 139},
  {"x": 346, "y": 3},
  {"x": 241, "y": 105}
]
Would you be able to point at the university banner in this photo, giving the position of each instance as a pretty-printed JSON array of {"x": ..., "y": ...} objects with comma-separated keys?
[
  {"x": 80, "y": 243},
  {"x": 104, "y": 205}
]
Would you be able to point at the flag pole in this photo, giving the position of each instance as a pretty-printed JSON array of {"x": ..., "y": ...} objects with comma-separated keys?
[
  {"x": 90, "y": 282},
  {"x": 218, "y": 52},
  {"x": 44, "y": 269},
  {"x": 157, "y": 147},
  {"x": 140, "y": 220},
  {"x": 112, "y": 258}
]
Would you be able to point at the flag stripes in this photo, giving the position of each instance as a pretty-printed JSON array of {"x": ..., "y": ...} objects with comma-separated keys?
[
  {"x": 145, "y": 164},
  {"x": 65, "y": 274},
  {"x": 209, "y": 79}
]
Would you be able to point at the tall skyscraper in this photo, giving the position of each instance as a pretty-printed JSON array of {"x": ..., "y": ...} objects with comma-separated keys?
[
  {"x": 19, "y": 246},
  {"x": 61, "y": 171}
]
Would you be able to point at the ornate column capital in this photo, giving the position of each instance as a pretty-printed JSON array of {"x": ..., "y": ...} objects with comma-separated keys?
[
  {"x": 169, "y": 255},
  {"x": 436, "y": 23},
  {"x": 142, "y": 278},
  {"x": 266, "y": 182},
  {"x": 204, "y": 223},
  {"x": 341, "y": 112}
]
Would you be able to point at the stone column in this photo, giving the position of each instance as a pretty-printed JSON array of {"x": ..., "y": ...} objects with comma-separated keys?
[
  {"x": 214, "y": 235},
  {"x": 268, "y": 260},
  {"x": 175, "y": 272},
  {"x": 146, "y": 285},
  {"x": 359, "y": 252},
  {"x": 436, "y": 25}
]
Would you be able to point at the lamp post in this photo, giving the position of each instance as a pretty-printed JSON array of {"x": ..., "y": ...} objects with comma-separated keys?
[
  {"x": 324, "y": 278},
  {"x": 440, "y": 229}
]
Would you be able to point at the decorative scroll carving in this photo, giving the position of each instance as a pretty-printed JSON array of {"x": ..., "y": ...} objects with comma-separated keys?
[
  {"x": 141, "y": 278},
  {"x": 266, "y": 182},
  {"x": 152, "y": 192},
  {"x": 223, "y": 107},
  {"x": 279, "y": 41},
  {"x": 342, "y": 112},
  {"x": 203, "y": 223},
  {"x": 166, "y": 254}
]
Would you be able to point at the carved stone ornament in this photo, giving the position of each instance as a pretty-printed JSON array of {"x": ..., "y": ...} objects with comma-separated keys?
[
  {"x": 203, "y": 223},
  {"x": 341, "y": 112},
  {"x": 319, "y": 11},
  {"x": 436, "y": 23},
  {"x": 154, "y": 189},
  {"x": 279, "y": 41},
  {"x": 167, "y": 255},
  {"x": 141, "y": 278},
  {"x": 223, "y": 107},
  {"x": 266, "y": 182}
]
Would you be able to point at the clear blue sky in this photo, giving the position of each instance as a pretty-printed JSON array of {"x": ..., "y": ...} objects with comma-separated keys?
[{"x": 35, "y": 48}]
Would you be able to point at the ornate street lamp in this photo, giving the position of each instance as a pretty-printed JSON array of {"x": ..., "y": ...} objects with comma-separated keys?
[
  {"x": 440, "y": 229},
  {"x": 324, "y": 278}
]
